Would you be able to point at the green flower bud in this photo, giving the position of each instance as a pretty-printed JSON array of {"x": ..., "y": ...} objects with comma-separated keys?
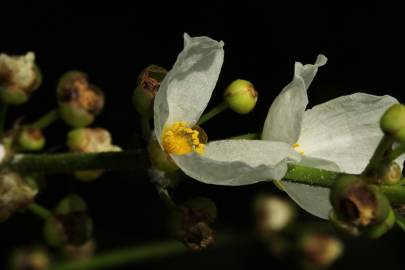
[
  {"x": 241, "y": 96},
  {"x": 392, "y": 174},
  {"x": 159, "y": 158},
  {"x": 357, "y": 203},
  {"x": 31, "y": 139},
  {"x": 90, "y": 140},
  {"x": 15, "y": 194},
  {"x": 70, "y": 224},
  {"x": 79, "y": 101},
  {"x": 147, "y": 86},
  {"x": 191, "y": 223},
  {"x": 19, "y": 77},
  {"x": 320, "y": 250},
  {"x": 272, "y": 214},
  {"x": 29, "y": 258},
  {"x": 393, "y": 122}
]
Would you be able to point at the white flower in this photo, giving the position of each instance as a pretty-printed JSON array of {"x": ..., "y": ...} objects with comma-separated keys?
[
  {"x": 179, "y": 103},
  {"x": 338, "y": 135}
]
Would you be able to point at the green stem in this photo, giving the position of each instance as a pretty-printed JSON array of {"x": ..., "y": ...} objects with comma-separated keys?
[
  {"x": 3, "y": 114},
  {"x": 45, "y": 120},
  {"x": 326, "y": 179},
  {"x": 247, "y": 136},
  {"x": 124, "y": 256},
  {"x": 396, "y": 152},
  {"x": 380, "y": 155},
  {"x": 69, "y": 162},
  {"x": 39, "y": 210},
  {"x": 213, "y": 112}
]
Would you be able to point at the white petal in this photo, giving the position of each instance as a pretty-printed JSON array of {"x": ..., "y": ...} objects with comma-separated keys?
[
  {"x": 238, "y": 162},
  {"x": 283, "y": 121},
  {"x": 312, "y": 199},
  {"x": 187, "y": 88},
  {"x": 344, "y": 130}
]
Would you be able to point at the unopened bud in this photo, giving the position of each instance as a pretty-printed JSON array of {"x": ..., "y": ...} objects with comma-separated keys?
[
  {"x": 30, "y": 259},
  {"x": 90, "y": 140},
  {"x": 31, "y": 139},
  {"x": 241, "y": 96},
  {"x": 70, "y": 224},
  {"x": 391, "y": 174},
  {"x": 147, "y": 86},
  {"x": 19, "y": 77},
  {"x": 393, "y": 122},
  {"x": 15, "y": 194},
  {"x": 159, "y": 158},
  {"x": 358, "y": 204},
  {"x": 191, "y": 223},
  {"x": 320, "y": 250},
  {"x": 272, "y": 214},
  {"x": 79, "y": 101}
]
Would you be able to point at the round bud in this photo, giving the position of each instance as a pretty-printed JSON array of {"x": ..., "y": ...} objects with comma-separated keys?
[
  {"x": 320, "y": 250},
  {"x": 272, "y": 213},
  {"x": 357, "y": 203},
  {"x": 16, "y": 194},
  {"x": 392, "y": 174},
  {"x": 159, "y": 158},
  {"x": 31, "y": 139},
  {"x": 19, "y": 77},
  {"x": 393, "y": 122},
  {"x": 79, "y": 101},
  {"x": 71, "y": 203},
  {"x": 241, "y": 96},
  {"x": 147, "y": 86}
]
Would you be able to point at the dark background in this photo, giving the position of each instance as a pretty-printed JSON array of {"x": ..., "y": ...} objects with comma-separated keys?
[{"x": 113, "y": 43}]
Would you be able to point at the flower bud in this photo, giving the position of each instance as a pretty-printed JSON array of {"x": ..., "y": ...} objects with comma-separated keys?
[
  {"x": 70, "y": 224},
  {"x": 90, "y": 140},
  {"x": 320, "y": 250},
  {"x": 191, "y": 223},
  {"x": 272, "y": 214},
  {"x": 79, "y": 101},
  {"x": 15, "y": 194},
  {"x": 29, "y": 258},
  {"x": 31, "y": 139},
  {"x": 241, "y": 96},
  {"x": 159, "y": 158},
  {"x": 392, "y": 173},
  {"x": 147, "y": 86},
  {"x": 357, "y": 203},
  {"x": 393, "y": 122},
  {"x": 19, "y": 77}
]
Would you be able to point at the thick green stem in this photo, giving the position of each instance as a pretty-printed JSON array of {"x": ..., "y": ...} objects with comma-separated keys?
[
  {"x": 39, "y": 210},
  {"x": 3, "y": 114},
  {"x": 45, "y": 120},
  {"x": 396, "y": 152},
  {"x": 326, "y": 179},
  {"x": 380, "y": 155},
  {"x": 213, "y": 112},
  {"x": 70, "y": 162},
  {"x": 125, "y": 256}
]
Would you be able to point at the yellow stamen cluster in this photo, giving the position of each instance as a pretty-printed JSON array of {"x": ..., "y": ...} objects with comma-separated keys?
[
  {"x": 297, "y": 148},
  {"x": 179, "y": 139}
]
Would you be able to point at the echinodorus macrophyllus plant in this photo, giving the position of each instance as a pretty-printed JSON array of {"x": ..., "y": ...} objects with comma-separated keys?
[
  {"x": 179, "y": 103},
  {"x": 338, "y": 135}
]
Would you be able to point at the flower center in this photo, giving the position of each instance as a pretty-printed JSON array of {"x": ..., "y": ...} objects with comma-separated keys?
[
  {"x": 179, "y": 139},
  {"x": 298, "y": 148}
]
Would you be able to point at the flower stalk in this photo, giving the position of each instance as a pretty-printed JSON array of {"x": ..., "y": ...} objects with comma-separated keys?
[
  {"x": 213, "y": 112},
  {"x": 45, "y": 120}
]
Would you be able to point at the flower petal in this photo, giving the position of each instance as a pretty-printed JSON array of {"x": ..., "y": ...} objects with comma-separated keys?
[
  {"x": 283, "y": 122},
  {"x": 187, "y": 88},
  {"x": 312, "y": 199},
  {"x": 238, "y": 162},
  {"x": 345, "y": 130}
]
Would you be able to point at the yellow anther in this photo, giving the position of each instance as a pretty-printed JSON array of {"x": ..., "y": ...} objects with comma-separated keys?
[
  {"x": 297, "y": 148},
  {"x": 179, "y": 139}
]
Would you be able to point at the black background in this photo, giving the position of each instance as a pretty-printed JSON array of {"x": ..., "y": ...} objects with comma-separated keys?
[{"x": 113, "y": 43}]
